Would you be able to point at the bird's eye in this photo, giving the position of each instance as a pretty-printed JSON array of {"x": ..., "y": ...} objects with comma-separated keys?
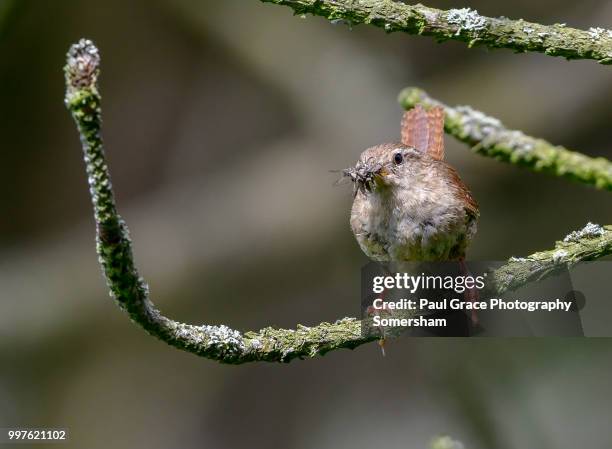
[{"x": 398, "y": 158}]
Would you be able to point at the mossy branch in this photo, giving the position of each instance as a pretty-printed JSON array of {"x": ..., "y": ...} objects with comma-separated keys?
[
  {"x": 489, "y": 137},
  {"x": 219, "y": 342},
  {"x": 464, "y": 25}
]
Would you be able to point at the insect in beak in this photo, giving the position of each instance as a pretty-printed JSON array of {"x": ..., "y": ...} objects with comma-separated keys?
[{"x": 365, "y": 175}]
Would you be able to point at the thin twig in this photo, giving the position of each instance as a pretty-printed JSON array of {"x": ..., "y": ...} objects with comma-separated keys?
[
  {"x": 219, "y": 342},
  {"x": 464, "y": 25}
]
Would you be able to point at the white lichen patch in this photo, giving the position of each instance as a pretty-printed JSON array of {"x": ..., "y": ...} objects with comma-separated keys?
[
  {"x": 476, "y": 124},
  {"x": 287, "y": 352},
  {"x": 256, "y": 344},
  {"x": 542, "y": 36},
  {"x": 345, "y": 320},
  {"x": 559, "y": 255},
  {"x": 467, "y": 19},
  {"x": 589, "y": 231},
  {"x": 187, "y": 332},
  {"x": 517, "y": 141},
  {"x": 597, "y": 33},
  {"x": 489, "y": 131},
  {"x": 222, "y": 337}
]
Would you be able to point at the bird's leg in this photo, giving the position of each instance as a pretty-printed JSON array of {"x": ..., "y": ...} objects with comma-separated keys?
[
  {"x": 372, "y": 311},
  {"x": 381, "y": 343},
  {"x": 470, "y": 294},
  {"x": 382, "y": 340}
]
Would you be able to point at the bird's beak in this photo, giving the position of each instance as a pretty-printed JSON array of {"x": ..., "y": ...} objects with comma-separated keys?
[
  {"x": 380, "y": 176},
  {"x": 382, "y": 172}
]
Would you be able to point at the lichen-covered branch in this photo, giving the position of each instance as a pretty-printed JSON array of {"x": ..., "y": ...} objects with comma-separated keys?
[
  {"x": 464, "y": 25},
  {"x": 489, "y": 137},
  {"x": 129, "y": 289},
  {"x": 590, "y": 243},
  {"x": 219, "y": 342}
]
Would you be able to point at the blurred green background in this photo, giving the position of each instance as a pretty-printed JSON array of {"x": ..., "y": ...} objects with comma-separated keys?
[{"x": 222, "y": 120}]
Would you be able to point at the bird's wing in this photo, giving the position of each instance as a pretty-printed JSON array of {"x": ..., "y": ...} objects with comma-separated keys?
[{"x": 461, "y": 190}]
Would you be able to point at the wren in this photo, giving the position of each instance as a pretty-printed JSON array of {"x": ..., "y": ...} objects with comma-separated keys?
[{"x": 409, "y": 204}]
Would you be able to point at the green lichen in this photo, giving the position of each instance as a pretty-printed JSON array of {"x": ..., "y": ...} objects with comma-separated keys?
[
  {"x": 488, "y": 137},
  {"x": 578, "y": 246},
  {"x": 464, "y": 25}
]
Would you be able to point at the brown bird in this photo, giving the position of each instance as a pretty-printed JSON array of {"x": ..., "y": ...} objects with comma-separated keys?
[{"x": 409, "y": 204}]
